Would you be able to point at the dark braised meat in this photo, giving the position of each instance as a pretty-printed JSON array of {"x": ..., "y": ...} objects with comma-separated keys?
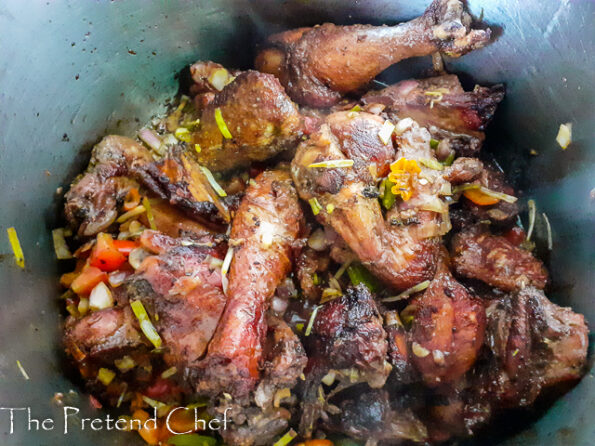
[
  {"x": 453, "y": 116},
  {"x": 447, "y": 331},
  {"x": 265, "y": 226},
  {"x": 319, "y": 65},
  {"x": 477, "y": 254},
  {"x": 536, "y": 344},
  {"x": 307, "y": 264},
  {"x": 399, "y": 349},
  {"x": 258, "y": 114}
]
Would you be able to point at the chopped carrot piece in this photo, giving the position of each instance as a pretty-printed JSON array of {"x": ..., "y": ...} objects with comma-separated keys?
[
  {"x": 105, "y": 254},
  {"x": 479, "y": 198},
  {"x": 87, "y": 280}
]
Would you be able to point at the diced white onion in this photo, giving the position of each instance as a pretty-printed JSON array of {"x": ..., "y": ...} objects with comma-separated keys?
[
  {"x": 386, "y": 132},
  {"x": 137, "y": 256},
  {"x": 564, "y": 137},
  {"x": 317, "y": 240},
  {"x": 101, "y": 297}
]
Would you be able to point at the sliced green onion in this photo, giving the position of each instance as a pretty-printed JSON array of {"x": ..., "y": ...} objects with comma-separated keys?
[
  {"x": 191, "y": 440},
  {"x": 499, "y": 195},
  {"x": 150, "y": 216},
  {"x": 221, "y": 124},
  {"x": 330, "y": 208},
  {"x": 342, "y": 269},
  {"x": 354, "y": 111},
  {"x": 125, "y": 364},
  {"x": 359, "y": 274},
  {"x": 315, "y": 279},
  {"x": 564, "y": 137},
  {"x": 331, "y": 164},
  {"x": 386, "y": 132},
  {"x": 105, "y": 376},
  {"x": 60, "y": 245},
  {"x": 13, "y": 238},
  {"x": 122, "y": 395},
  {"x": 146, "y": 325},
  {"x": 434, "y": 143},
  {"x": 131, "y": 213},
  {"x": 22, "y": 370},
  {"x": 169, "y": 372},
  {"x": 431, "y": 163},
  {"x": 197, "y": 148},
  {"x": 548, "y": 227},
  {"x": 532, "y": 212},
  {"x": 315, "y": 205},
  {"x": 405, "y": 294},
  {"x": 213, "y": 182},
  {"x": 388, "y": 198},
  {"x": 153, "y": 403},
  {"x": 183, "y": 134},
  {"x": 285, "y": 439},
  {"x": 449, "y": 160},
  {"x": 311, "y": 320},
  {"x": 299, "y": 327}
]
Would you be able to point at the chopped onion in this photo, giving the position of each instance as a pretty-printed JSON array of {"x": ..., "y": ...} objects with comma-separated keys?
[
  {"x": 329, "y": 378},
  {"x": 405, "y": 294},
  {"x": 213, "y": 182},
  {"x": 137, "y": 256},
  {"x": 431, "y": 163},
  {"x": 125, "y": 364},
  {"x": 13, "y": 238},
  {"x": 221, "y": 124},
  {"x": 22, "y": 370},
  {"x": 101, "y": 297},
  {"x": 435, "y": 204},
  {"x": 280, "y": 395},
  {"x": 227, "y": 261},
  {"x": 419, "y": 351},
  {"x": 150, "y": 138},
  {"x": 279, "y": 305},
  {"x": 117, "y": 278},
  {"x": 132, "y": 213},
  {"x": 83, "y": 306},
  {"x": 315, "y": 205},
  {"x": 219, "y": 78},
  {"x": 286, "y": 439},
  {"x": 331, "y": 164},
  {"x": 403, "y": 125},
  {"x": 386, "y": 132},
  {"x": 532, "y": 212},
  {"x": 564, "y": 137},
  {"x": 183, "y": 134},
  {"x": 146, "y": 325},
  {"x": 317, "y": 240},
  {"x": 60, "y": 246},
  {"x": 311, "y": 321},
  {"x": 548, "y": 227}
]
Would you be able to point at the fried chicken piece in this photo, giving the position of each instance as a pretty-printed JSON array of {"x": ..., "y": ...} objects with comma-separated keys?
[
  {"x": 536, "y": 344},
  {"x": 402, "y": 250},
  {"x": 319, "y": 65},
  {"x": 477, "y": 254},
  {"x": 258, "y": 114},
  {"x": 453, "y": 116},
  {"x": 267, "y": 222},
  {"x": 447, "y": 330},
  {"x": 93, "y": 201}
]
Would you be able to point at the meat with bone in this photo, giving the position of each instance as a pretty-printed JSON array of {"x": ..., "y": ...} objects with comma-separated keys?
[
  {"x": 477, "y": 254},
  {"x": 266, "y": 224},
  {"x": 440, "y": 104},
  {"x": 315, "y": 73},
  {"x": 259, "y": 116},
  {"x": 401, "y": 254}
]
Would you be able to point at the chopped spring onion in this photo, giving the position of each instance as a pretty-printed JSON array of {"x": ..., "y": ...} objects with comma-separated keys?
[
  {"x": 191, "y": 125},
  {"x": 564, "y": 137},
  {"x": 342, "y": 269},
  {"x": 153, "y": 403},
  {"x": 315, "y": 279},
  {"x": 13, "y": 238},
  {"x": 449, "y": 160},
  {"x": 22, "y": 370},
  {"x": 122, "y": 395},
  {"x": 213, "y": 182},
  {"x": 315, "y": 205},
  {"x": 125, "y": 364},
  {"x": 169, "y": 372},
  {"x": 419, "y": 351},
  {"x": 388, "y": 198},
  {"x": 101, "y": 297},
  {"x": 311, "y": 321},
  {"x": 386, "y": 132},
  {"x": 221, "y": 124},
  {"x": 330, "y": 208},
  {"x": 359, "y": 274},
  {"x": 285, "y": 439},
  {"x": 60, "y": 246},
  {"x": 146, "y": 325},
  {"x": 132, "y": 213},
  {"x": 405, "y": 294},
  {"x": 150, "y": 138},
  {"x": 331, "y": 164},
  {"x": 484, "y": 190},
  {"x": 329, "y": 378},
  {"x": 329, "y": 294},
  {"x": 299, "y": 327},
  {"x": 354, "y": 111},
  {"x": 532, "y": 212},
  {"x": 434, "y": 143},
  {"x": 197, "y": 148},
  {"x": 150, "y": 216},
  {"x": 227, "y": 261},
  {"x": 105, "y": 376},
  {"x": 548, "y": 227},
  {"x": 431, "y": 163},
  {"x": 183, "y": 134},
  {"x": 191, "y": 440}
]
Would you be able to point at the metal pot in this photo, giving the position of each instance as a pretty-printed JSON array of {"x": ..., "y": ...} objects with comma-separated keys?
[{"x": 71, "y": 72}]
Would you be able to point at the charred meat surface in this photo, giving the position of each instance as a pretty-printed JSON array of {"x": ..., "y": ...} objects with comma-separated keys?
[
  {"x": 315, "y": 72},
  {"x": 477, "y": 254},
  {"x": 266, "y": 224}
]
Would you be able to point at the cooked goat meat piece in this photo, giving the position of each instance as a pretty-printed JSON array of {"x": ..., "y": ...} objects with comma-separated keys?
[
  {"x": 173, "y": 222},
  {"x": 368, "y": 416},
  {"x": 93, "y": 200},
  {"x": 319, "y": 65},
  {"x": 284, "y": 361},
  {"x": 477, "y": 254},
  {"x": 399, "y": 353},
  {"x": 463, "y": 170},
  {"x": 349, "y": 334},
  {"x": 103, "y": 335},
  {"x": 309, "y": 263},
  {"x": 442, "y": 106},
  {"x": 266, "y": 224},
  {"x": 258, "y": 114},
  {"x": 448, "y": 329},
  {"x": 401, "y": 250},
  {"x": 536, "y": 344}
]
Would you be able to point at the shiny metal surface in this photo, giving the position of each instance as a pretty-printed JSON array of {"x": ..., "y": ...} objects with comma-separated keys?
[{"x": 72, "y": 71}]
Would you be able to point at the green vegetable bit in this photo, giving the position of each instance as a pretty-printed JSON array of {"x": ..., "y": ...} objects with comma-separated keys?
[
  {"x": 388, "y": 198},
  {"x": 359, "y": 274},
  {"x": 191, "y": 440}
]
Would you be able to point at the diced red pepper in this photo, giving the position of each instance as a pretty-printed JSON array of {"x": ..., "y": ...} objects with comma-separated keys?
[
  {"x": 87, "y": 280},
  {"x": 105, "y": 254},
  {"x": 125, "y": 246}
]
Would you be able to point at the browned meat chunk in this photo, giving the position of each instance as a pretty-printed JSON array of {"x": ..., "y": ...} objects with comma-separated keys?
[
  {"x": 258, "y": 114},
  {"x": 319, "y": 65},
  {"x": 308, "y": 263},
  {"x": 440, "y": 104},
  {"x": 399, "y": 352},
  {"x": 447, "y": 330},
  {"x": 477, "y": 254},
  {"x": 266, "y": 224},
  {"x": 349, "y": 334},
  {"x": 536, "y": 344}
]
